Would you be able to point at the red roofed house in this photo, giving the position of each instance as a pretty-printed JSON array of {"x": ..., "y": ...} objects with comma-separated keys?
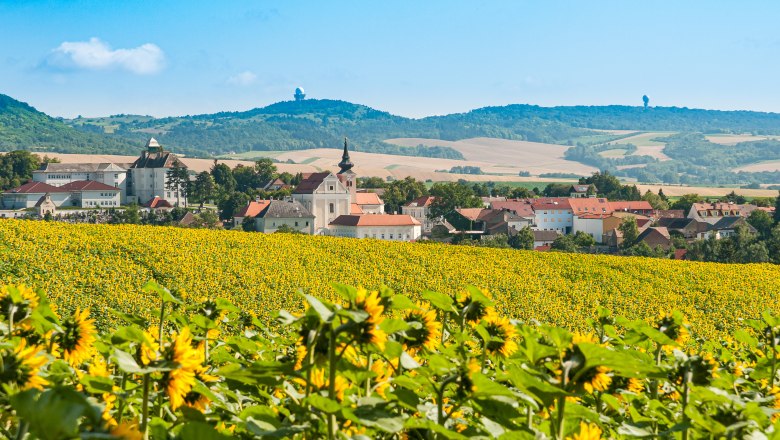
[
  {"x": 158, "y": 204},
  {"x": 250, "y": 210},
  {"x": 380, "y": 226},
  {"x": 595, "y": 225},
  {"x": 82, "y": 193},
  {"x": 554, "y": 214},
  {"x": 635, "y": 207},
  {"x": 419, "y": 208},
  {"x": 369, "y": 203}
]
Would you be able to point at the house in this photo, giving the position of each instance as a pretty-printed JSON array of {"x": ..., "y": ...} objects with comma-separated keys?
[
  {"x": 656, "y": 236},
  {"x": 590, "y": 205},
  {"x": 687, "y": 227},
  {"x": 83, "y": 194},
  {"x": 712, "y": 212},
  {"x": 486, "y": 201},
  {"x": 640, "y": 207},
  {"x": 613, "y": 238},
  {"x": 275, "y": 185},
  {"x": 158, "y": 204},
  {"x": 149, "y": 177},
  {"x": 595, "y": 225},
  {"x": 519, "y": 207},
  {"x": 45, "y": 206},
  {"x": 251, "y": 210},
  {"x": 669, "y": 213},
  {"x": 468, "y": 220},
  {"x": 419, "y": 208},
  {"x": 28, "y": 195},
  {"x": 726, "y": 227},
  {"x": 498, "y": 221},
  {"x": 582, "y": 191},
  {"x": 642, "y": 221},
  {"x": 287, "y": 212},
  {"x": 369, "y": 203},
  {"x": 59, "y": 174},
  {"x": 92, "y": 194},
  {"x": 400, "y": 227},
  {"x": 553, "y": 214},
  {"x": 545, "y": 238}
]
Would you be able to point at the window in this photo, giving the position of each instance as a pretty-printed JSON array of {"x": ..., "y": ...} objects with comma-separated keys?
[
  {"x": 391, "y": 236},
  {"x": 330, "y": 188},
  {"x": 307, "y": 223},
  {"x": 383, "y": 236},
  {"x": 116, "y": 176},
  {"x": 332, "y": 208},
  {"x": 296, "y": 224}
]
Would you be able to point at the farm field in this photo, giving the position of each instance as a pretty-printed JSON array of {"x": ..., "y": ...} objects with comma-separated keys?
[
  {"x": 731, "y": 139},
  {"x": 102, "y": 266},
  {"x": 645, "y": 144},
  {"x": 769, "y": 165},
  {"x": 535, "y": 157}
]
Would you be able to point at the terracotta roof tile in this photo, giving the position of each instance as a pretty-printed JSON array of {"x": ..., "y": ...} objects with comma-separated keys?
[
  {"x": 35, "y": 188},
  {"x": 375, "y": 220},
  {"x": 367, "y": 198}
]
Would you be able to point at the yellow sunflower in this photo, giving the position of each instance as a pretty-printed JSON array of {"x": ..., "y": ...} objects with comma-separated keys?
[
  {"x": 26, "y": 301},
  {"x": 179, "y": 381},
  {"x": 596, "y": 379},
  {"x": 321, "y": 383},
  {"x": 384, "y": 372},
  {"x": 502, "y": 334},
  {"x": 22, "y": 366},
  {"x": 636, "y": 386},
  {"x": 425, "y": 331},
  {"x": 369, "y": 331},
  {"x": 587, "y": 432},
  {"x": 127, "y": 431},
  {"x": 472, "y": 309},
  {"x": 77, "y": 338}
]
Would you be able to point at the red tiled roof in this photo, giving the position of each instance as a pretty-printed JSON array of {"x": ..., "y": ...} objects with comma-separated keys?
[
  {"x": 354, "y": 208},
  {"x": 367, "y": 198},
  {"x": 470, "y": 213},
  {"x": 375, "y": 220},
  {"x": 590, "y": 205},
  {"x": 679, "y": 254},
  {"x": 88, "y": 185},
  {"x": 252, "y": 209},
  {"x": 519, "y": 207},
  {"x": 638, "y": 205},
  {"x": 35, "y": 188},
  {"x": 421, "y": 201},
  {"x": 543, "y": 248},
  {"x": 157, "y": 202}
]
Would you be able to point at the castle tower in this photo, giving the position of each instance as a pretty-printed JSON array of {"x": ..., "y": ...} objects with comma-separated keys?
[{"x": 346, "y": 175}]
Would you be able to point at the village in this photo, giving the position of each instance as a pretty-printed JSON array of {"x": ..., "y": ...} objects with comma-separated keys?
[{"x": 327, "y": 203}]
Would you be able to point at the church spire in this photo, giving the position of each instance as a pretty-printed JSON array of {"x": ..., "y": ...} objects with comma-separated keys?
[{"x": 345, "y": 164}]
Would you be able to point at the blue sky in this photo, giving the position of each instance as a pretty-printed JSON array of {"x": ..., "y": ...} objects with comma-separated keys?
[{"x": 412, "y": 58}]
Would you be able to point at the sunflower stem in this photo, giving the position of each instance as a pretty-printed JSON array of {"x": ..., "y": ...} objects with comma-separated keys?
[
  {"x": 23, "y": 425},
  {"x": 162, "y": 319},
  {"x": 686, "y": 389},
  {"x": 332, "y": 381},
  {"x": 368, "y": 380},
  {"x": 774, "y": 356},
  {"x": 145, "y": 407},
  {"x": 561, "y": 420},
  {"x": 122, "y": 402}
]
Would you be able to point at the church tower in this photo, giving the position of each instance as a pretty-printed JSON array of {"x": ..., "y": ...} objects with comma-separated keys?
[{"x": 348, "y": 177}]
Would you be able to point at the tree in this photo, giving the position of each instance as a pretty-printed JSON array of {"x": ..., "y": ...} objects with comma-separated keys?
[
  {"x": 733, "y": 197},
  {"x": 565, "y": 243},
  {"x": 583, "y": 239},
  {"x": 655, "y": 200},
  {"x": 524, "y": 239},
  {"x": 521, "y": 193},
  {"x": 556, "y": 190},
  {"x": 763, "y": 223},
  {"x": 230, "y": 204},
  {"x": 16, "y": 168},
  {"x": 686, "y": 201},
  {"x": 203, "y": 188},
  {"x": 249, "y": 224},
  {"x": 450, "y": 196},
  {"x": 265, "y": 170},
  {"x": 132, "y": 214},
  {"x": 403, "y": 191},
  {"x": 223, "y": 177},
  {"x": 777, "y": 209},
  {"x": 207, "y": 219},
  {"x": 630, "y": 232},
  {"x": 177, "y": 179}
]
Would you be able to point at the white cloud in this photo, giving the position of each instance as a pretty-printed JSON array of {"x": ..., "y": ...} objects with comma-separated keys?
[
  {"x": 97, "y": 55},
  {"x": 243, "y": 79}
]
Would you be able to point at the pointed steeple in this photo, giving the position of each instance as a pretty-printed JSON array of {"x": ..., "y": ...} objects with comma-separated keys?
[{"x": 345, "y": 164}]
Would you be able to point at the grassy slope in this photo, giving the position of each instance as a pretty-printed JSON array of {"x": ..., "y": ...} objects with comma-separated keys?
[{"x": 99, "y": 266}]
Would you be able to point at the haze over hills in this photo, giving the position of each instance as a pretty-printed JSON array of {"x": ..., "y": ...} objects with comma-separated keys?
[{"x": 654, "y": 144}]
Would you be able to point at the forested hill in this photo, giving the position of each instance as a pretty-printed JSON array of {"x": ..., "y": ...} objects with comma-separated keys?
[
  {"x": 316, "y": 123},
  {"x": 24, "y": 127}
]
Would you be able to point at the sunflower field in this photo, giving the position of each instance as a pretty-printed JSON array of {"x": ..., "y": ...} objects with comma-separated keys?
[
  {"x": 376, "y": 364},
  {"x": 104, "y": 266}
]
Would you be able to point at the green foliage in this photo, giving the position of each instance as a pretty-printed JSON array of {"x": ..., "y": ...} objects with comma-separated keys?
[
  {"x": 524, "y": 239},
  {"x": 452, "y": 195},
  {"x": 400, "y": 192},
  {"x": 630, "y": 232},
  {"x": 16, "y": 168}
]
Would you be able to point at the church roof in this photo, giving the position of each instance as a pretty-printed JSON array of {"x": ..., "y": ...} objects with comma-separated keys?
[{"x": 311, "y": 183}]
